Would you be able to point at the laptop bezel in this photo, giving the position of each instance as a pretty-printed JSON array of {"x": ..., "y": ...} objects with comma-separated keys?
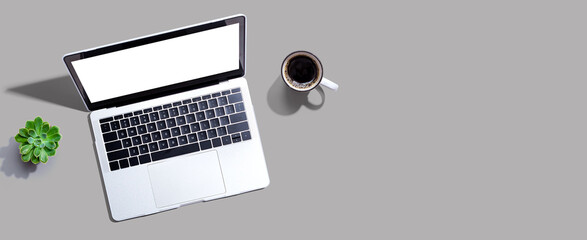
[{"x": 165, "y": 90}]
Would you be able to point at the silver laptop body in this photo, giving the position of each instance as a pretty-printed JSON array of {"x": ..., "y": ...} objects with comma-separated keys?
[{"x": 172, "y": 118}]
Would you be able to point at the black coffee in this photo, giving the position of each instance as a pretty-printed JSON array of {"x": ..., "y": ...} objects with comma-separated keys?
[{"x": 302, "y": 69}]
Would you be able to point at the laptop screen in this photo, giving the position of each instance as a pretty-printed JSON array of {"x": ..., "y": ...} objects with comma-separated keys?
[{"x": 146, "y": 67}]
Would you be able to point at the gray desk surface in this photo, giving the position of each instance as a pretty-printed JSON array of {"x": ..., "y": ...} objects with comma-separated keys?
[{"x": 454, "y": 120}]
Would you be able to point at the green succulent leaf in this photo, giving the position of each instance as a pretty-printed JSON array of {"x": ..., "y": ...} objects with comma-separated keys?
[
  {"x": 33, "y": 133},
  {"x": 54, "y": 138},
  {"x": 37, "y": 152},
  {"x": 30, "y": 125},
  {"x": 30, "y": 140},
  {"x": 26, "y": 149},
  {"x": 50, "y": 145},
  {"x": 38, "y": 124},
  {"x": 43, "y": 135},
  {"x": 50, "y": 152},
  {"x": 53, "y": 130},
  {"x": 27, "y": 157},
  {"x": 20, "y": 139},
  {"x": 44, "y": 157},
  {"x": 56, "y": 145},
  {"x": 23, "y": 132},
  {"x": 34, "y": 159},
  {"x": 45, "y": 127}
]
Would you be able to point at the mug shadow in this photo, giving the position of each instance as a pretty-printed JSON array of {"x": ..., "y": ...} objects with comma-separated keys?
[
  {"x": 12, "y": 165},
  {"x": 286, "y": 101},
  {"x": 59, "y": 90}
]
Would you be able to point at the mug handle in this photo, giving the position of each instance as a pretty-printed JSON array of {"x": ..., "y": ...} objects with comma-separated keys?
[{"x": 329, "y": 84}]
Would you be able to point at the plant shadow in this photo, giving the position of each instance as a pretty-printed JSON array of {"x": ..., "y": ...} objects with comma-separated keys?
[
  {"x": 12, "y": 165},
  {"x": 59, "y": 90}
]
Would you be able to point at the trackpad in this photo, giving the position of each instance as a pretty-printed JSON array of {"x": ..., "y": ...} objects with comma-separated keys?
[{"x": 186, "y": 179}]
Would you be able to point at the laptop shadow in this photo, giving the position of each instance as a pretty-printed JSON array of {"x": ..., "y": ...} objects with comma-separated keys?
[
  {"x": 286, "y": 101},
  {"x": 59, "y": 90},
  {"x": 12, "y": 165}
]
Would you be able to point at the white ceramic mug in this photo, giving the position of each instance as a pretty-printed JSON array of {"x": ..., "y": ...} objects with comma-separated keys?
[{"x": 302, "y": 71}]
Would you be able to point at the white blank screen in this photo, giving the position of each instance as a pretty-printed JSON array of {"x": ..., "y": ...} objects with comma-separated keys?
[{"x": 159, "y": 64}]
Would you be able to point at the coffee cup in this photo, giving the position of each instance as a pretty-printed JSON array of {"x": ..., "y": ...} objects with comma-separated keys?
[{"x": 302, "y": 71}]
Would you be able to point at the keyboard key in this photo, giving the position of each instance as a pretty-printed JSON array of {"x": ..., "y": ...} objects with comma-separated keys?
[
  {"x": 133, "y": 161},
  {"x": 246, "y": 135},
  {"x": 185, "y": 129},
  {"x": 154, "y": 116},
  {"x": 195, "y": 127},
  {"x": 122, "y": 134},
  {"x": 235, "y": 98},
  {"x": 145, "y": 159},
  {"x": 163, "y": 144},
  {"x": 109, "y": 136},
  {"x": 151, "y": 127},
  {"x": 200, "y": 116},
  {"x": 165, "y": 134},
  {"x": 226, "y": 140},
  {"x": 161, "y": 125},
  {"x": 239, "y": 127},
  {"x": 114, "y": 166},
  {"x": 205, "y": 97},
  {"x": 111, "y": 146},
  {"x": 136, "y": 141},
  {"x": 239, "y": 107},
  {"x": 221, "y": 131},
  {"x": 105, "y": 120},
  {"x": 115, "y": 125},
  {"x": 190, "y": 118},
  {"x": 212, "y": 133},
  {"x": 167, "y": 105},
  {"x": 214, "y": 123},
  {"x": 175, "y": 104},
  {"x": 133, "y": 151},
  {"x": 225, "y": 92},
  {"x": 139, "y": 112},
  {"x": 156, "y": 136},
  {"x": 171, "y": 122},
  {"x": 124, "y": 123},
  {"x": 202, "y": 135},
  {"x": 229, "y": 109},
  {"x": 132, "y": 131},
  {"x": 163, "y": 114},
  {"x": 134, "y": 121},
  {"x": 212, "y": 103},
  {"x": 196, "y": 99},
  {"x": 105, "y": 127},
  {"x": 153, "y": 146},
  {"x": 126, "y": 143},
  {"x": 224, "y": 121},
  {"x": 118, "y": 117},
  {"x": 192, "y": 138},
  {"x": 188, "y": 148},
  {"x": 123, "y": 163},
  {"x": 219, "y": 111},
  {"x": 216, "y": 142},
  {"x": 186, "y": 101},
  {"x": 157, "y": 108},
  {"x": 127, "y": 115},
  {"x": 142, "y": 129},
  {"x": 175, "y": 132},
  {"x": 183, "y": 110},
  {"x": 205, "y": 144},
  {"x": 143, "y": 149},
  {"x": 146, "y": 138},
  {"x": 173, "y": 142},
  {"x": 182, "y": 140},
  {"x": 235, "y": 137},
  {"x": 203, "y": 105},
  {"x": 210, "y": 114},
  {"x": 238, "y": 117},
  {"x": 180, "y": 120},
  {"x": 215, "y": 94},
  {"x": 193, "y": 107},
  {"x": 204, "y": 125},
  {"x": 173, "y": 112},
  {"x": 147, "y": 110},
  {"x": 144, "y": 118},
  {"x": 123, "y": 153},
  {"x": 222, "y": 101},
  {"x": 236, "y": 90}
]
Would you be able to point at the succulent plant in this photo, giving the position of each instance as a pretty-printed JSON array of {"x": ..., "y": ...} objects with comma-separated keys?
[{"x": 37, "y": 141}]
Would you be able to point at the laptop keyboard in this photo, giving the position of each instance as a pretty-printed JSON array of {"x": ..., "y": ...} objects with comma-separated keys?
[{"x": 173, "y": 129}]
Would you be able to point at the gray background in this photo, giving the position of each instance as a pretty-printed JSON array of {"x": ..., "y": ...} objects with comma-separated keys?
[{"x": 454, "y": 120}]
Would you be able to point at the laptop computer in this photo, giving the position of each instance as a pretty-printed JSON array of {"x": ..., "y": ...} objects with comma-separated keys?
[{"x": 172, "y": 117}]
